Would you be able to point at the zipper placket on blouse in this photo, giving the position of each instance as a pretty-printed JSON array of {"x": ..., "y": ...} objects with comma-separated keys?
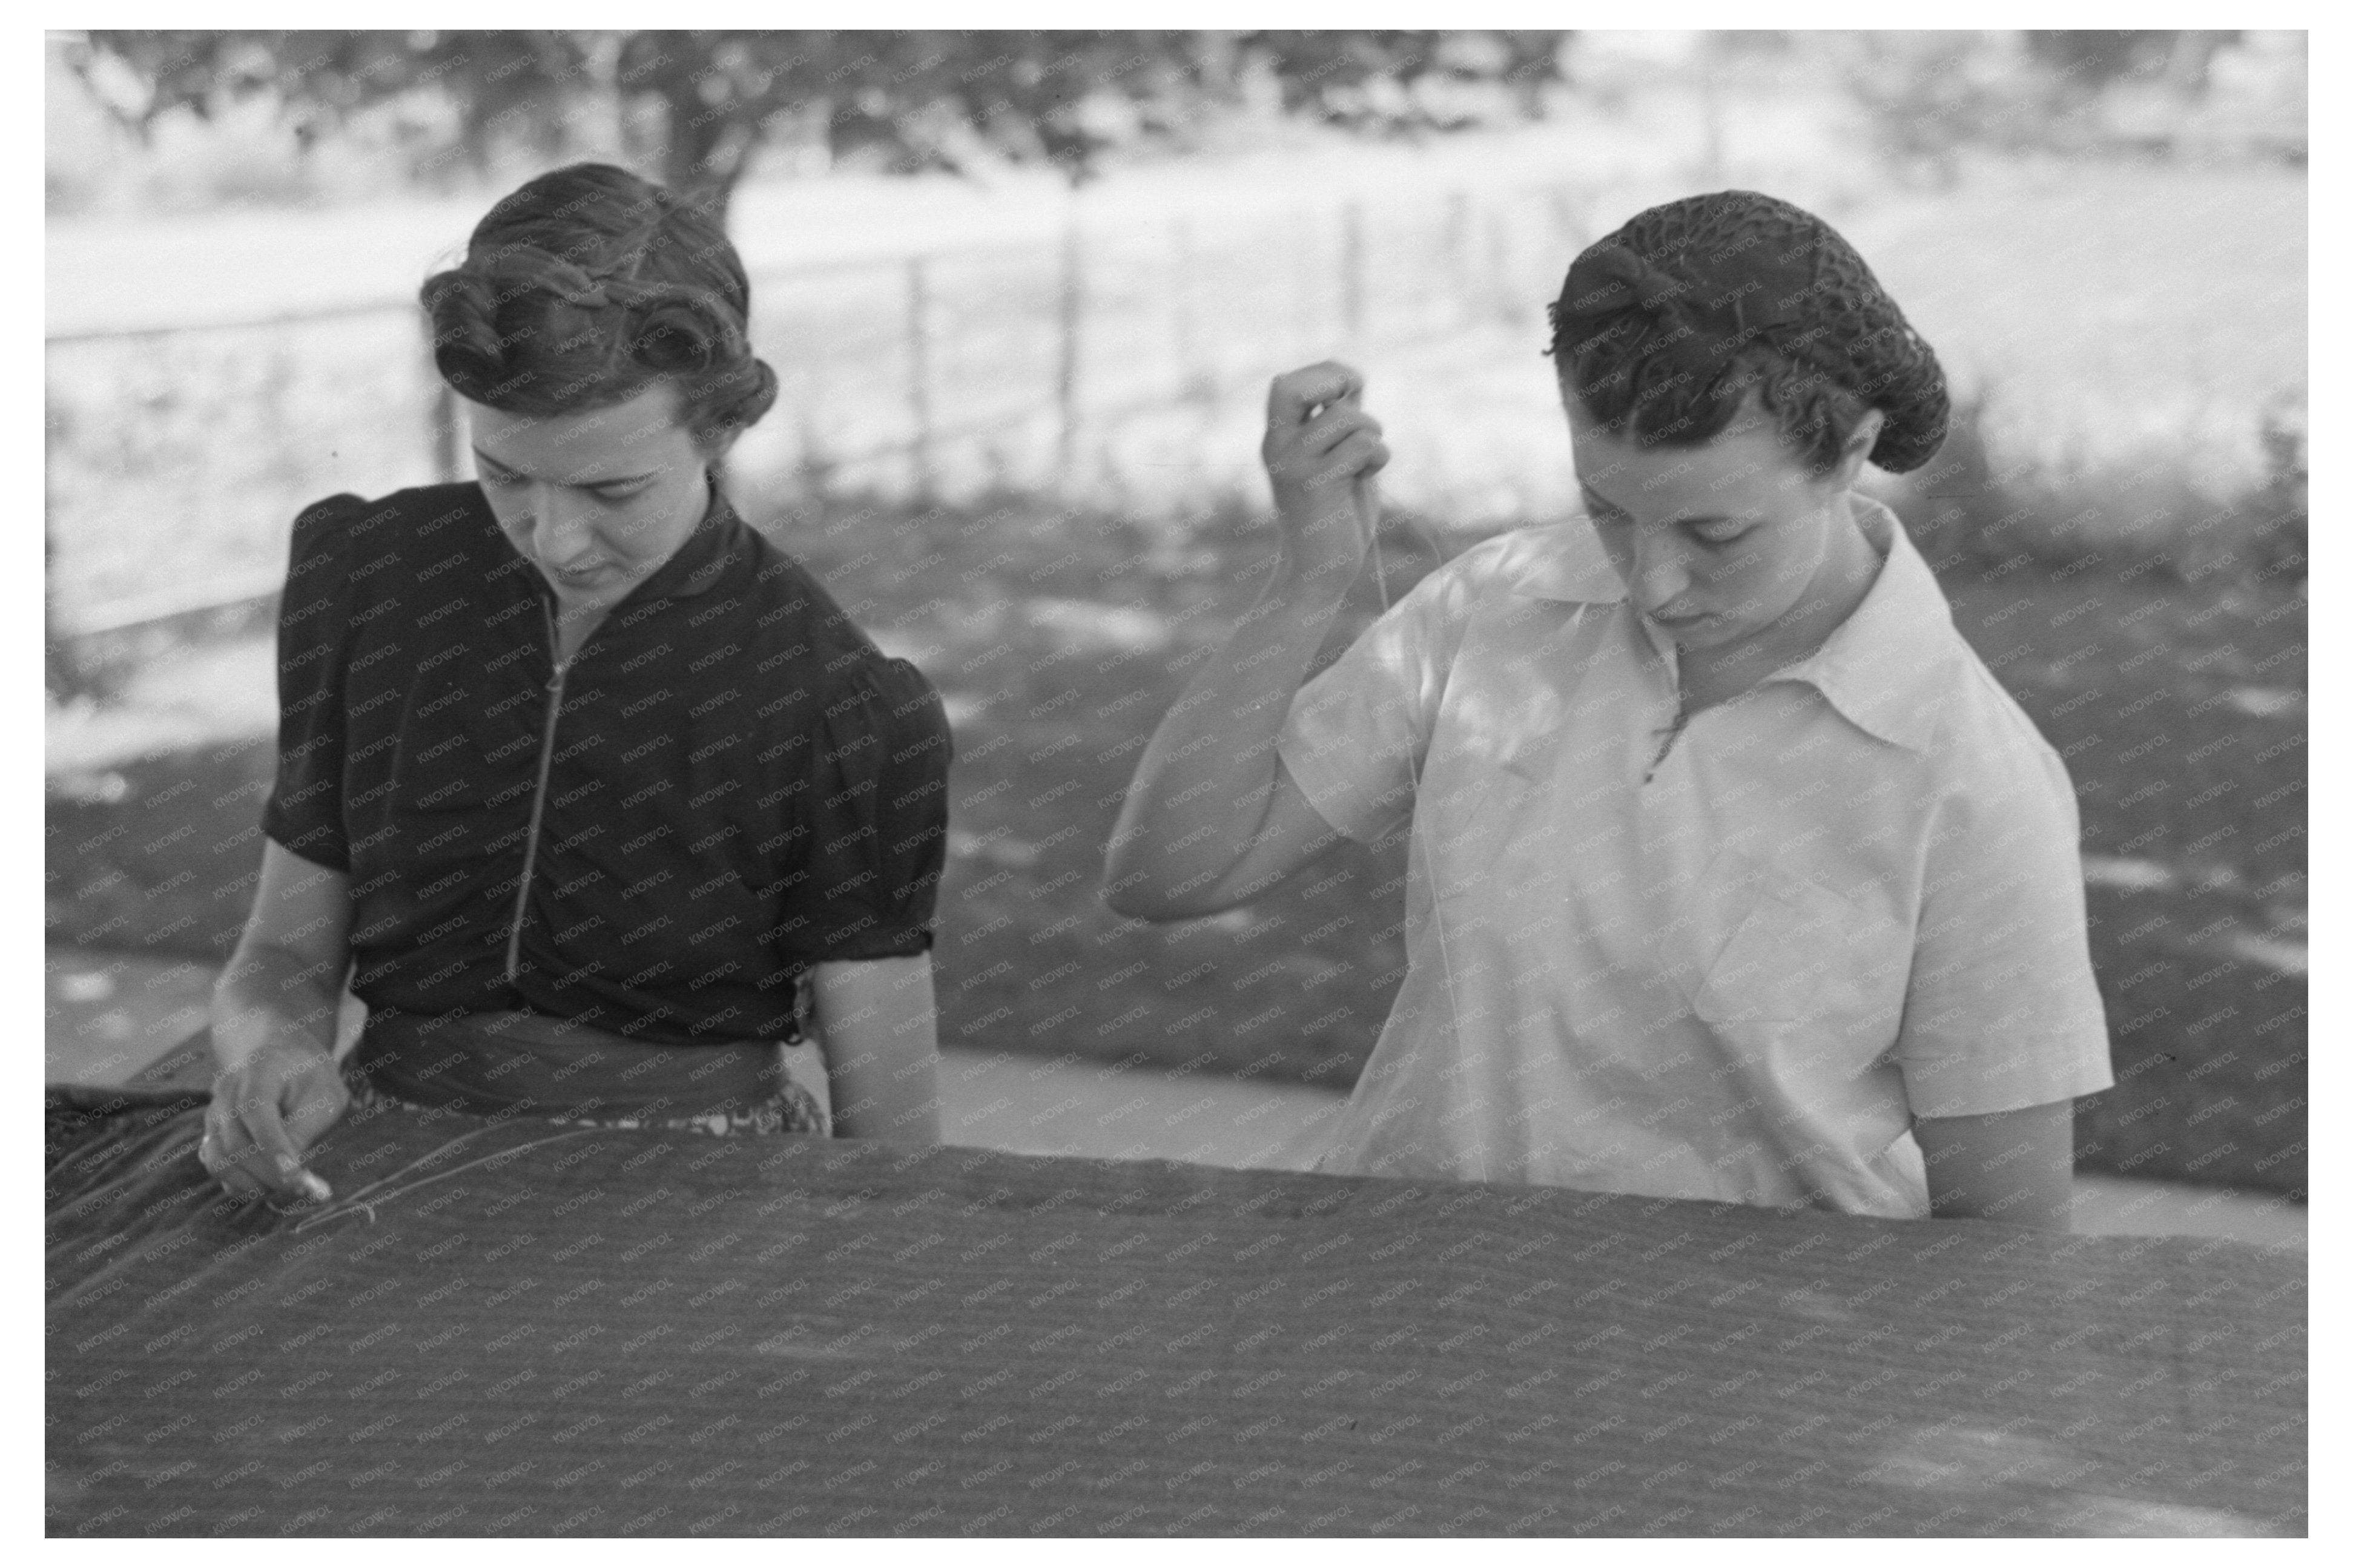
[
  {"x": 1672, "y": 733},
  {"x": 538, "y": 797},
  {"x": 1671, "y": 657}
]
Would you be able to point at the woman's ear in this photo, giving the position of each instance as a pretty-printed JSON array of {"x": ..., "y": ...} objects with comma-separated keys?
[{"x": 1856, "y": 451}]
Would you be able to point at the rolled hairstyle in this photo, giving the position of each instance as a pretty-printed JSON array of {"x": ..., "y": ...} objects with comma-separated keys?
[
  {"x": 586, "y": 286},
  {"x": 1666, "y": 328}
]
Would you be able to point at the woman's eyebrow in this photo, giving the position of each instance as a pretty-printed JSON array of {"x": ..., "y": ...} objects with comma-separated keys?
[
  {"x": 576, "y": 484},
  {"x": 1698, "y": 521}
]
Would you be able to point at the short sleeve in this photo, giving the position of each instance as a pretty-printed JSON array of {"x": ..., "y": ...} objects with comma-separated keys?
[
  {"x": 305, "y": 809},
  {"x": 1357, "y": 733},
  {"x": 2002, "y": 1011},
  {"x": 880, "y": 838}
]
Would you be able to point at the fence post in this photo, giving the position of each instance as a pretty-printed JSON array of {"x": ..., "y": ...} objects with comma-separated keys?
[
  {"x": 814, "y": 468},
  {"x": 1180, "y": 303},
  {"x": 64, "y": 675},
  {"x": 919, "y": 373},
  {"x": 1566, "y": 222},
  {"x": 1352, "y": 274},
  {"x": 1499, "y": 264},
  {"x": 1710, "y": 111},
  {"x": 1066, "y": 379},
  {"x": 443, "y": 442},
  {"x": 1457, "y": 244}
]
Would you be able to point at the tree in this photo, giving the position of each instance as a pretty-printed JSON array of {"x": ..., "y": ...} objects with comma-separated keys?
[
  {"x": 1409, "y": 81},
  {"x": 692, "y": 107},
  {"x": 2090, "y": 60},
  {"x": 1931, "y": 93}
]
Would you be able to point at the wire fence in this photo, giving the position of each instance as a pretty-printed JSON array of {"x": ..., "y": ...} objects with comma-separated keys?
[{"x": 178, "y": 456}]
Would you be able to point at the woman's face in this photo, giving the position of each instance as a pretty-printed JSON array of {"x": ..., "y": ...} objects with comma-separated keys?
[
  {"x": 597, "y": 500},
  {"x": 1717, "y": 543}
]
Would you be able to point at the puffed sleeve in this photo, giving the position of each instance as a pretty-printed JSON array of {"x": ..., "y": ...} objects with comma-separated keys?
[
  {"x": 2002, "y": 1011},
  {"x": 1356, "y": 734},
  {"x": 880, "y": 833},
  {"x": 305, "y": 809}
]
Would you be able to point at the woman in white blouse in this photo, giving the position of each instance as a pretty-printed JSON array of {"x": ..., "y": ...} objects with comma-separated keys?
[{"x": 1733, "y": 873}]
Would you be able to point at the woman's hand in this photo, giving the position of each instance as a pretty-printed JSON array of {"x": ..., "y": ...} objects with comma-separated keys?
[
  {"x": 1321, "y": 452},
  {"x": 275, "y": 1090},
  {"x": 266, "y": 1112}
]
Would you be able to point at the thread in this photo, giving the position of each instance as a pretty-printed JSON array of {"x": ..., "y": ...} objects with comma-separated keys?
[{"x": 375, "y": 1192}]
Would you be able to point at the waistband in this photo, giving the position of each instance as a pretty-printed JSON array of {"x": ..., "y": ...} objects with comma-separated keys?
[{"x": 522, "y": 1063}]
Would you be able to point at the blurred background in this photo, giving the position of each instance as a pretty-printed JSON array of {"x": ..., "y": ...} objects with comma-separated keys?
[{"x": 1023, "y": 292}]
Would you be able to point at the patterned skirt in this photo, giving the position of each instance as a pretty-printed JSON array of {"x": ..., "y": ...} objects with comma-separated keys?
[
  {"x": 791, "y": 1110},
  {"x": 554, "y": 1070}
]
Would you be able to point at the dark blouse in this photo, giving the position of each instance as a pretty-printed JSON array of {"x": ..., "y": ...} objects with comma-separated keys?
[{"x": 728, "y": 785}]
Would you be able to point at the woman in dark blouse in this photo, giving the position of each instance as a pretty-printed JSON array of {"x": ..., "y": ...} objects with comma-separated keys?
[{"x": 593, "y": 796}]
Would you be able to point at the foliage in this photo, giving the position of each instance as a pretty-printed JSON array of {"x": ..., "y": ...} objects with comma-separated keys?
[
  {"x": 696, "y": 105},
  {"x": 2286, "y": 440},
  {"x": 2088, "y": 58},
  {"x": 1931, "y": 94},
  {"x": 1394, "y": 81}
]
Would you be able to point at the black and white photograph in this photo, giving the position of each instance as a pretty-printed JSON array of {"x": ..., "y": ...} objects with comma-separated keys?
[{"x": 1030, "y": 784}]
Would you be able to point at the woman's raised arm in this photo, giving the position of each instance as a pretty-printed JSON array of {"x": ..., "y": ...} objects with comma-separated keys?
[{"x": 1212, "y": 818}]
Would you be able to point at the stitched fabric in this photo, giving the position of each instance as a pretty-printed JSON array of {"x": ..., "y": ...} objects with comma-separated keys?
[{"x": 520, "y": 1329}]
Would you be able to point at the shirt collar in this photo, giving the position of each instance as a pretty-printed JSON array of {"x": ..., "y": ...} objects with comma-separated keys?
[
  {"x": 700, "y": 563},
  {"x": 1886, "y": 665},
  {"x": 1883, "y": 667}
]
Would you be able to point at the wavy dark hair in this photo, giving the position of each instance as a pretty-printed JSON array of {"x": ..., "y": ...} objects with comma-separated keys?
[
  {"x": 1665, "y": 329},
  {"x": 587, "y": 285}
]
